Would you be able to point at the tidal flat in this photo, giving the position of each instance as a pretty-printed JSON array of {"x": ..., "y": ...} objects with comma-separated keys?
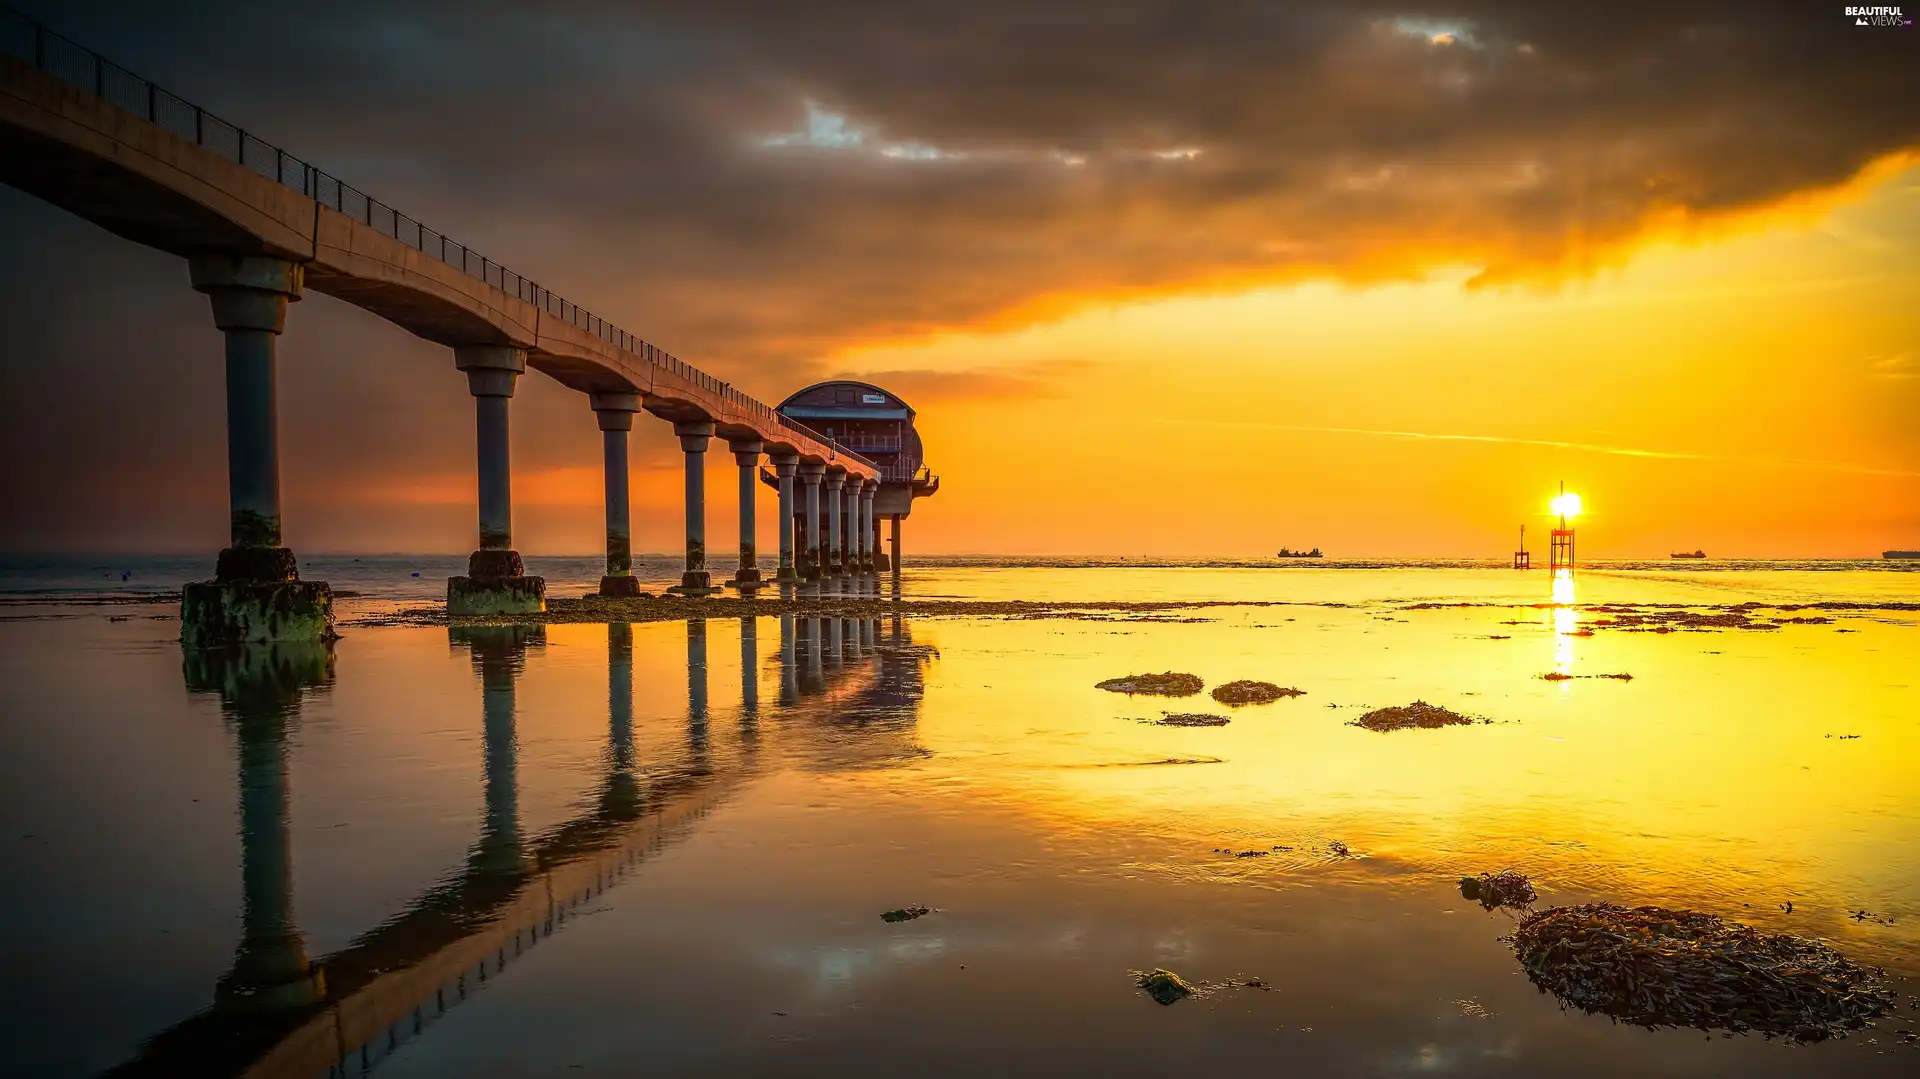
[{"x": 649, "y": 842}]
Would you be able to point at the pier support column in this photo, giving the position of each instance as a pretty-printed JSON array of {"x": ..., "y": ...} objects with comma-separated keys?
[
  {"x": 496, "y": 580},
  {"x": 256, "y": 594},
  {"x": 499, "y": 655},
  {"x": 260, "y": 688},
  {"x": 271, "y": 966},
  {"x": 749, "y": 666},
  {"x": 880, "y": 559},
  {"x": 695, "y": 581},
  {"x": 868, "y": 536},
  {"x": 615, "y": 413},
  {"x": 746, "y": 454},
  {"x": 812, "y": 677},
  {"x": 811, "y": 474},
  {"x": 785, "y": 464},
  {"x": 697, "y": 742},
  {"x": 620, "y": 796},
  {"x": 895, "y": 519},
  {"x": 501, "y": 848},
  {"x": 833, "y": 482},
  {"x": 850, "y": 527},
  {"x": 789, "y": 670},
  {"x": 850, "y": 541}
]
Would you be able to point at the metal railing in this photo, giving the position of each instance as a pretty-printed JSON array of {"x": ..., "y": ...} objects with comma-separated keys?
[
  {"x": 906, "y": 472},
  {"x": 32, "y": 42},
  {"x": 876, "y": 443}
]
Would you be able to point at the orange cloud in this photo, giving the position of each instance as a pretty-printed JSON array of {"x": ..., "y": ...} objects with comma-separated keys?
[{"x": 1035, "y": 378}]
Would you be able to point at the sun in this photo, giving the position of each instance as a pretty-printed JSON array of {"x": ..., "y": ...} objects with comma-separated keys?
[{"x": 1566, "y": 504}]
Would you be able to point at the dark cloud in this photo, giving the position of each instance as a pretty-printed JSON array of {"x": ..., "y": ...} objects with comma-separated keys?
[
  {"x": 1042, "y": 152},
  {"x": 754, "y": 185}
]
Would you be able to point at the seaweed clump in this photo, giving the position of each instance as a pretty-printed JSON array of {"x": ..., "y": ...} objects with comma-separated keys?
[
  {"x": 905, "y": 914},
  {"x": 1504, "y": 889},
  {"x": 1246, "y": 692},
  {"x": 1418, "y": 714},
  {"x": 1654, "y": 967},
  {"x": 1190, "y": 719},
  {"x": 1167, "y": 684},
  {"x": 1669, "y": 620},
  {"x": 1164, "y": 985}
]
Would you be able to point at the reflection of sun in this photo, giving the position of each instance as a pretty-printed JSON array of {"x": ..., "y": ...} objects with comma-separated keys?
[
  {"x": 1566, "y": 620},
  {"x": 1562, "y": 587}
]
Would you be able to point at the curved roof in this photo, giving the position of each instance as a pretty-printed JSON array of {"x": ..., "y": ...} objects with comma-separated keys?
[{"x": 820, "y": 395}]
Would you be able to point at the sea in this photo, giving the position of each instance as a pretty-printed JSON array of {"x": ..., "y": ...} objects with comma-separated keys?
[{"x": 930, "y": 843}]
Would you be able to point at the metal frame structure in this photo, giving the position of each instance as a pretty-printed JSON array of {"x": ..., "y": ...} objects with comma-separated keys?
[
  {"x": 1560, "y": 541},
  {"x": 1560, "y": 549}
]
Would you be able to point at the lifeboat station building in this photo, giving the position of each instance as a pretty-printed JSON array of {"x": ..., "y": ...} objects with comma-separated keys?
[{"x": 877, "y": 425}]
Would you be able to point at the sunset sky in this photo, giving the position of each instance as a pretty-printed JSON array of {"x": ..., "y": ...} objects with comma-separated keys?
[{"x": 1160, "y": 278}]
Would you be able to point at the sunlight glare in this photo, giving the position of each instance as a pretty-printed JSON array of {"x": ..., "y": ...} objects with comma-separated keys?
[
  {"x": 1563, "y": 587},
  {"x": 1566, "y": 621}
]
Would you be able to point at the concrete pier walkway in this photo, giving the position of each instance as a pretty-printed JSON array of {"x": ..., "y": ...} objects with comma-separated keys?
[{"x": 261, "y": 227}]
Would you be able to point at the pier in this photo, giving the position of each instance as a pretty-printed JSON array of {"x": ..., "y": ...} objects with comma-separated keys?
[
  {"x": 259, "y": 228},
  {"x": 278, "y": 1012}
]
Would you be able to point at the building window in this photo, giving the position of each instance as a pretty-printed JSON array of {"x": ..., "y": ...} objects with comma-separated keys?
[{"x": 843, "y": 396}]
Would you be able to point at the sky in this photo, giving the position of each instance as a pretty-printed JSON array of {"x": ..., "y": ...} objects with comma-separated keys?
[{"x": 1160, "y": 278}]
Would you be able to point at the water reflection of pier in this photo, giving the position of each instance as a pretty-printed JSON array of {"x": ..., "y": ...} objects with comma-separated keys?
[{"x": 278, "y": 1014}]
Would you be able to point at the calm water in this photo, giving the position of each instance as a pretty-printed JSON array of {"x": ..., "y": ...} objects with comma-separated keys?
[{"x": 664, "y": 848}]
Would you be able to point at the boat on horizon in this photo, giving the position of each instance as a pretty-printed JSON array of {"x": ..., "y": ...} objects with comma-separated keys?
[
  {"x": 1902, "y": 556},
  {"x": 1287, "y": 552},
  {"x": 1695, "y": 553}
]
